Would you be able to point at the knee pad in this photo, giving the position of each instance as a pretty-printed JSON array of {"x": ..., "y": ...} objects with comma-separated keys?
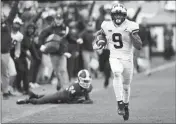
[
  {"x": 117, "y": 75},
  {"x": 126, "y": 87}
]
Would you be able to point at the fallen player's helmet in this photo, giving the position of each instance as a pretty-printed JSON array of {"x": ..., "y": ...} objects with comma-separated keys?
[
  {"x": 84, "y": 78},
  {"x": 118, "y": 13}
]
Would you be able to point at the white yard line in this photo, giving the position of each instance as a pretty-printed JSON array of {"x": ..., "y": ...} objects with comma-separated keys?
[
  {"x": 159, "y": 68},
  {"x": 29, "y": 113}
]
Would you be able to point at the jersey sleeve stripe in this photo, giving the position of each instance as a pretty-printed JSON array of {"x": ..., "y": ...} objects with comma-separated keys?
[
  {"x": 103, "y": 32},
  {"x": 136, "y": 30}
]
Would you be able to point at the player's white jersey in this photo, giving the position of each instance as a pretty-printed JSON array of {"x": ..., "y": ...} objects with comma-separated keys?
[{"x": 118, "y": 38}]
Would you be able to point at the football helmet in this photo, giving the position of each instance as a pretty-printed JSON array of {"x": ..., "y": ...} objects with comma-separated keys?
[
  {"x": 84, "y": 78},
  {"x": 118, "y": 13}
]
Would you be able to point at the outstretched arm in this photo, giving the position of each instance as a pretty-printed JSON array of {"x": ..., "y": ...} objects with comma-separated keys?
[
  {"x": 136, "y": 14},
  {"x": 35, "y": 18},
  {"x": 87, "y": 99},
  {"x": 43, "y": 35},
  {"x": 13, "y": 13}
]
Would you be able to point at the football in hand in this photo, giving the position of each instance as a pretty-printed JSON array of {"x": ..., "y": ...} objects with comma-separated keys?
[
  {"x": 101, "y": 40},
  {"x": 101, "y": 43}
]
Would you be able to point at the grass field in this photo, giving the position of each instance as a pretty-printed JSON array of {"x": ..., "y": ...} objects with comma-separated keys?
[{"x": 152, "y": 101}]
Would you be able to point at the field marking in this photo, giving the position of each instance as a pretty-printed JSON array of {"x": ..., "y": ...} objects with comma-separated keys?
[
  {"x": 159, "y": 68},
  {"x": 29, "y": 113}
]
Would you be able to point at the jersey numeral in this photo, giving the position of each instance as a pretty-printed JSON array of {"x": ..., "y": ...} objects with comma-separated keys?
[
  {"x": 72, "y": 90},
  {"x": 117, "y": 37}
]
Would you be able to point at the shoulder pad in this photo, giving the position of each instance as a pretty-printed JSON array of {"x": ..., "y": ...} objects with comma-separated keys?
[
  {"x": 103, "y": 24},
  {"x": 134, "y": 27}
]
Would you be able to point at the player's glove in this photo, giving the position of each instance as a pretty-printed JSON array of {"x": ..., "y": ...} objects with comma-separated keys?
[
  {"x": 68, "y": 55},
  {"x": 42, "y": 48},
  {"x": 80, "y": 41}
]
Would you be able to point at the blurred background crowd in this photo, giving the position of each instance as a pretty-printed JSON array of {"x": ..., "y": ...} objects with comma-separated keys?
[{"x": 25, "y": 66}]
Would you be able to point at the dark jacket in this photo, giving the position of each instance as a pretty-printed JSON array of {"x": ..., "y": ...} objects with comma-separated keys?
[
  {"x": 88, "y": 37},
  {"x": 29, "y": 44},
  {"x": 58, "y": 30},
  {"x": 6, "y": 29},
  {"x": 145, "y": 35},
  {"x": 28, "y": 40},
  {"x": 72, "y": 46}
]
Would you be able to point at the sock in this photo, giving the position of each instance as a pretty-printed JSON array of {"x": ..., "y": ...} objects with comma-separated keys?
[
  {"x": 120, "y": 104},
  {"x": 126, "y": 92},
  {"x": 126, "y": 104},
  {"x": 118, "y": 88}
]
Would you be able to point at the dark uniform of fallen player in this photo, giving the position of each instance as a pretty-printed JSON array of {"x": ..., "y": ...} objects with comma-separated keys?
[{"x": 78, "y": 92}]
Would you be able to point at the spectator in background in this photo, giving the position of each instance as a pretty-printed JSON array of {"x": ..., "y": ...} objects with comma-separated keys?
[
  {"x": 101, "y": 18},
  {"x": 23, "y": 64},
  {"x": 145, "y": 35},
  {"x": 104, "y": 65},
  {"x": 15, "y": 51},
  {"x": 73, "y": 49},
  {"x": 56, "y": 33},
  {"x": 30, "y": 33},
  {"x": 33, "y": 53},
  {"x": 6, "y": 23},
  {"x": 74, "y": 15},
  {"x": 168, "y": 40},
  {"x": 28, "y": 11},
  {"x": 45, "y": 69},
  {"x": 87, "y": 37},
  {"x": 132, "y": 16}
]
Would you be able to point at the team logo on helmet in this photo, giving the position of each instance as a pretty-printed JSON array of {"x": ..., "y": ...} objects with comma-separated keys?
[
  {"x": 84, "y": 78},
  {"x": 118, "y": 13}
]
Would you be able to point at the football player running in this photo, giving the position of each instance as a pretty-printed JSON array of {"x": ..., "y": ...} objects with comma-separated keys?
[
  {"x": 120, "y": 35},
  {"x": 77, "y": 92}
]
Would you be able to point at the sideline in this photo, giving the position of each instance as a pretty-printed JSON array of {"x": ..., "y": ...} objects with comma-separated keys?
[
  {"x": 157, "y": 69},
  {"x": 29, "y": 112}
]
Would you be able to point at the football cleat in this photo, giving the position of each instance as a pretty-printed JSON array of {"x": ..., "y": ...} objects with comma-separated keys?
[
  {"x": 126, "y": 116},
  {"x": 22, "y": 101},
  {"x": 106, "y": 83},
  {"x": 121, "y": 110}
]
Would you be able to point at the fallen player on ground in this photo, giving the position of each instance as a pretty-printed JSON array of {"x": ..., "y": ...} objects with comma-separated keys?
[{"x": 77, "y": 92}]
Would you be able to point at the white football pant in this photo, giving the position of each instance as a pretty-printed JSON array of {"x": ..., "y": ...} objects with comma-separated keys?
[{"x": 123, "y": 74}]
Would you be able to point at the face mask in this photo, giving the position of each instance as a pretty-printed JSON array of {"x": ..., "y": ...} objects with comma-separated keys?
[{"x": 85, "y": 83}]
